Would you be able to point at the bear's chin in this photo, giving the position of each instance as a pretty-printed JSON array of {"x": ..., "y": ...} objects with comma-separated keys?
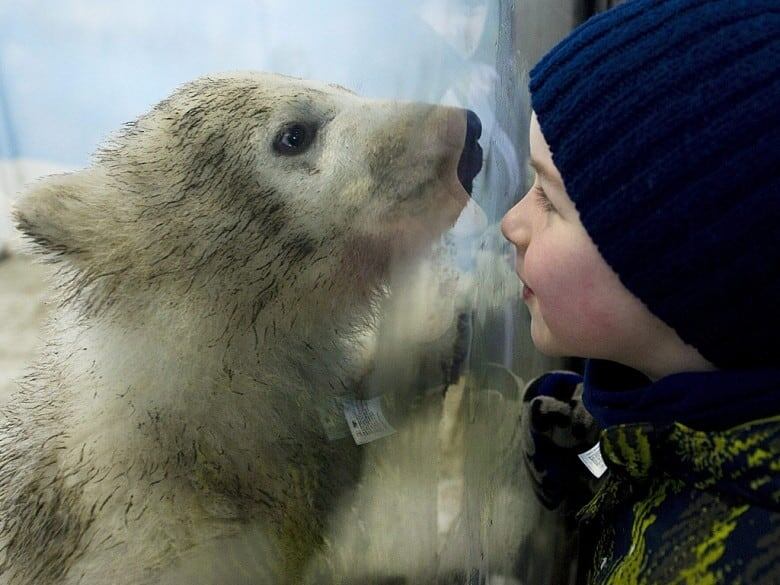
[{"x": 370, "y": 256}]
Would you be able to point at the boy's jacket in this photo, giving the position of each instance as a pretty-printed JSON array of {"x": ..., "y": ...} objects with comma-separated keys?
[{"x": 686, "y": 506}]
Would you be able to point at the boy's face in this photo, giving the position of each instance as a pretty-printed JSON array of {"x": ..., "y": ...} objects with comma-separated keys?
[{"x": 577, "y": 303}]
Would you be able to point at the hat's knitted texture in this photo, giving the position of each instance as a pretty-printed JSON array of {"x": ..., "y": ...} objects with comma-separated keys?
[{"x": 663, "y": 118}]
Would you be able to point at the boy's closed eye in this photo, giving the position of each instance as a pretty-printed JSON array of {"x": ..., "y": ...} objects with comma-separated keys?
[
  {"x": 542, "y": 199},
  {"x": 539, "y": 171}
]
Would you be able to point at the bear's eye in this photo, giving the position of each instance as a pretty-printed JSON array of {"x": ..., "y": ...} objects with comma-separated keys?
[{"x": 294, "y": 139}]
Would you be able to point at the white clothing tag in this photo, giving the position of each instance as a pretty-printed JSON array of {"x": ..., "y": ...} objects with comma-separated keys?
[
  {"x": 593, "y": 460},
  {"x": 366, "y": 420}
]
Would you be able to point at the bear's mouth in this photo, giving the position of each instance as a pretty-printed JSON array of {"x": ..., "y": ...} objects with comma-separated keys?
[{"x": 470, "y": 162}]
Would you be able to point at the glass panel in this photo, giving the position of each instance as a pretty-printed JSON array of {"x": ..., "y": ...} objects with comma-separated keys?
[{"x": 280, "y": 358}]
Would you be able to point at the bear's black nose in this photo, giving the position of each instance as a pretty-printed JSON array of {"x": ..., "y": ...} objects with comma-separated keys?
[
  {"x": 470, "y": 162},
  {"x": 473, "y": 127}
]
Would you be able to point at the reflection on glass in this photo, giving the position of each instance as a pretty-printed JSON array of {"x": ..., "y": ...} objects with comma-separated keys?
[{"x": 288, "y": 347}]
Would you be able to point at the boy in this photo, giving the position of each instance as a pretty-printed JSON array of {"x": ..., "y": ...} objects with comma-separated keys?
[{"x": 650, "y": 244}]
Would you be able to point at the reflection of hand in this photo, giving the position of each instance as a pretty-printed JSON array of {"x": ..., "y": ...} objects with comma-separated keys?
[{"x": 556, "y": 428}]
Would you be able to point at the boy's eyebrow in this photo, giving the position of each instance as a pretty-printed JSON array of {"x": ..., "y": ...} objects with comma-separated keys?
[{"x": 542, "y": 170}]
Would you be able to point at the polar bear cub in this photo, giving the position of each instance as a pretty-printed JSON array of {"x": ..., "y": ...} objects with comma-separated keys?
[{"x": 215, "y": 267}]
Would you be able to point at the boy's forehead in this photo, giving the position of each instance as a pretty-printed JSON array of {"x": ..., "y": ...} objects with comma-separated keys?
[
  {"x": 541, "y": 157},
  {"x": 542, "y": 162}
]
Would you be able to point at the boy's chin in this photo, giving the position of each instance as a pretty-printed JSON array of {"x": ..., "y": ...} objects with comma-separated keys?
[{"x": 544, "y": 342}]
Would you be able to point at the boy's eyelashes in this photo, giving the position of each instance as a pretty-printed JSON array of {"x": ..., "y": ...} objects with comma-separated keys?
[{"x": 542, "y": 199}]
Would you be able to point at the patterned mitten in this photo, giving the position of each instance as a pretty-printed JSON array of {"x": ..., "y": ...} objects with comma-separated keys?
[{"x": 556, "y": 428}]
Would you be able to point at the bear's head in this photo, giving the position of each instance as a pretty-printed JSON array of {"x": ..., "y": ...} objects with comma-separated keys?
[{"x": 254, "y": 186}]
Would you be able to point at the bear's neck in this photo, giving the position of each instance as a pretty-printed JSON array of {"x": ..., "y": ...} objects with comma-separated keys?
[{"x": 172, "y": 384}]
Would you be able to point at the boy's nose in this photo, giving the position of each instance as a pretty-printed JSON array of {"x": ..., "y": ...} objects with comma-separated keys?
[{"x": 513, "y": 227}]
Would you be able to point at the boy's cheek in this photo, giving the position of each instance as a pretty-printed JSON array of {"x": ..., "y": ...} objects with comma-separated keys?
[
  {"x": 557, "y": 274},
  {"x": 570, "y": 294}
]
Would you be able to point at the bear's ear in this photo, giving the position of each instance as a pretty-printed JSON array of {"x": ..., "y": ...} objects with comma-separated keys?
[{"x": 56, "y": 214}]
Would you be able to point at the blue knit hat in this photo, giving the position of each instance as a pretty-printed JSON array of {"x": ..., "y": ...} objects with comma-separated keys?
[{"x": 663, "y": 118}]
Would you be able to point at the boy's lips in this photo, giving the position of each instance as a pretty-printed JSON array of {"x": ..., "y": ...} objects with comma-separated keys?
[{"x": 527, "y": 290}]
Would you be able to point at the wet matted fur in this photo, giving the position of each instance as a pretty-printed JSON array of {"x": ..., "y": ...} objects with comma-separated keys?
[{"x": 217, "y": 267}]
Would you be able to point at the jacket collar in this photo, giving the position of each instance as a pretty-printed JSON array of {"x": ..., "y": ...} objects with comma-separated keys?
[{"x": 716, "y": 400}]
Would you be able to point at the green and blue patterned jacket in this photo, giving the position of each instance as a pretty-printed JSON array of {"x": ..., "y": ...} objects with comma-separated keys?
[
  {"x": 692, "y": 489},
  {"x": 681, "y": 506}
]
